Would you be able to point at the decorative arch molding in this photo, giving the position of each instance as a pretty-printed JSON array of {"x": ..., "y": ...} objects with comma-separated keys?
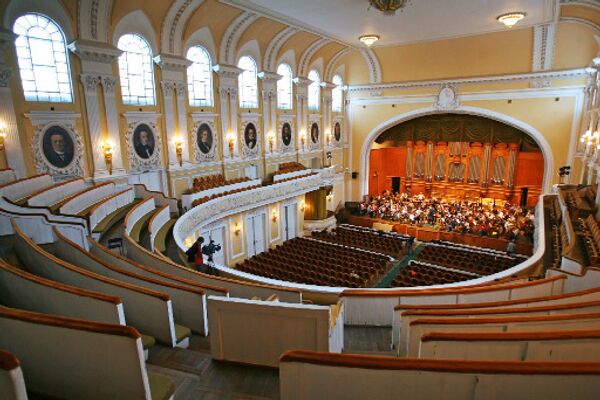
[
  {"x": 581, "y": 21},
  {"x": 93, "y": 19},
  {"x": 329, "y": 72},
  {"x": 289, "y": 58},
  {"x": 50, "y": 8},
  {"x": 317, "y": 65},
  {"x": 588, "y": 3},
  {"x": 202, "y": 37},
  {"x": 171, "y": 34},
  {"x": 309, "y": 53},
  {"x": 275, "y": 45},
  {"x": 372, "y": 64},
  {"x": 482, "y": 112},
  {"x": 252, "y": 49},
  {"x": 232, "y": 36},
  {"x": 136, "y": 22}
]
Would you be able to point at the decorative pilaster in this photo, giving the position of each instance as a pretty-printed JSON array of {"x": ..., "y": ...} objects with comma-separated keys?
[
  {"x": 410, "y": 148},
  {"x": 269, "y": 98},
  {"x": 228, "y": 75},
  {"x": 429, "y": 162},
  {"x": 326, "y": 88},
  {"x": 90, "y": 84},
  {"x": 112, "y": 121},
  {"x": 302, "y": 112}
]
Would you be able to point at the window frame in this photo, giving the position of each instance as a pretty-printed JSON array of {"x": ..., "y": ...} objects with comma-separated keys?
[
  {"x": 146, "y": 76},
  {"x": 58, "y": 46},
  {"x": 289, "y": 87},
  {"x": 314, "y": 91},
  {"x": 337, "y": 95},
  {"x": 248, "y": 91},
  {"x": 193, "y": 100}
]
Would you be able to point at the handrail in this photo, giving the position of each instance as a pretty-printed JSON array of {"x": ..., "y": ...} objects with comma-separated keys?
[
  {"x": 8, "y": 361},
  {"x": 434, "y": 365},
  {"x": 510, "y": 336}
]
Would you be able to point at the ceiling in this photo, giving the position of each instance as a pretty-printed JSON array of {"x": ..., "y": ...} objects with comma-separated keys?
[{"x": 422, "y": 20}]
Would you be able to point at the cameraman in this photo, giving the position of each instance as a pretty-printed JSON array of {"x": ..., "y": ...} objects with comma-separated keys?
[{"x": 194, "y": 254}]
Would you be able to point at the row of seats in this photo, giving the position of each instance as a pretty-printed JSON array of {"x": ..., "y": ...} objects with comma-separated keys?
[
  {"x": 479, "y": 262},
  {"x": 423, "y": 274},
  {"x": 394, "y": 246},
  {"x": 557, "y": 231},
  {"x": 217, "y": 195},
  {"x": 318, "y": 263},
  {"x": 287, "y": 167},
  {"x": 591, "y": 237},
  {"x": 212, "y": 181}
]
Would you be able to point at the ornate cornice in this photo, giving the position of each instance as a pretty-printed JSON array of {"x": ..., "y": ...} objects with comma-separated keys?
[
  {"x": 547, "y": 75},
  {"x": 92, "y": 50},
  {"x": 302, "y": 82},
  {"x": 227, "y": 71},
  {"x": 268, "y": 76},
  {"x": 169, "y": 62}
]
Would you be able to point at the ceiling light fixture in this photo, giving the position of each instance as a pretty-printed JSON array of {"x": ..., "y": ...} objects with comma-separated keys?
[
  {"x": 368, "y": 39},
  {"x": 388, "y": 7},
  {"x": 510, "y": 19}
]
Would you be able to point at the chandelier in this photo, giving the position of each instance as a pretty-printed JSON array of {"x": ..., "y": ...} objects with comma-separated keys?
[
  {"x": 388, "y": 7},
  {"x": 510, "y": 19}
]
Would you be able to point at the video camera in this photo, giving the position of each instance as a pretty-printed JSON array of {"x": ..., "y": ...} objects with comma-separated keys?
[{"x": 210, "y": 249}]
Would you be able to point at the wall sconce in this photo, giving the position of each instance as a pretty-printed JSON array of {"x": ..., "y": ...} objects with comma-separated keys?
[
  {"x": 302, "y": 139},
  {"x": 274, "y": 216},
  {"x": 329, "y": 197},
  {"x": 271, "y": 139},
  {"x": 230, "y": 143},
  {"x": 107, "y": 149},
  {"x": 236, "y": 229},
  {"x": 328, "y": 137},
  {"x": 179, "y": 149},
  {"x": 3, "y": 132},
  {"x": 302, "y": 206}
]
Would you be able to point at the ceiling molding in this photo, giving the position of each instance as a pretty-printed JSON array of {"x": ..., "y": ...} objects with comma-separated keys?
[
  {"x": 275, "y": 45},
  {"x": 308, "y": 54},
  {"x": 373, "y": 65},
  {"x": 291, "y": 22},
  {"x": 543, "y": 47},
  {"x": 329, "y": 71},
  {"x": 233, "y": 34},
  {"x": 174, "y": 24},
  {"x": 546, "y": 75},
  {"x": 581, "y": 21},
  {"x": 588, "y": 3}
]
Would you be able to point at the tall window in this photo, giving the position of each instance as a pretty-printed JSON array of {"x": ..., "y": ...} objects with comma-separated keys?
[
  {"x": 336, "y": 94},
  {"x": 247, "y": 84},
  {"x": 135, "y": 70},
  {"x": 199, "y": 76},
  {"x": 314, "y": 90},
  {"x": 43, "y": 62},
  {"x": 284, "y": 87}
]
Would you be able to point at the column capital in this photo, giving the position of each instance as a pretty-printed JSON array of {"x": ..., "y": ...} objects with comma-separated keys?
[
  {"x": 268, "y": 76},
  {"x": 227, "y": 71},
  {"x": 90, "y": 82},
  {"x": 5, "y": 74},
  {"x": 301, "y": 81}
]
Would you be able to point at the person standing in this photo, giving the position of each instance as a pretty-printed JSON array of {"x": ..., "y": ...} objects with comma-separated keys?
[
  {"x": 194, "y": 254},
  {"x": 511, "y": 248}
]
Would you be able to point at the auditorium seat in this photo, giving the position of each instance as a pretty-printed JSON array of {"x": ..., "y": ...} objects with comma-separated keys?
[
  {"x": 12, "y": 383},
  {"x": 308, "y": 375},
  {"x": 557, "y": 345},
  {"x": 148, "y": 310},
  {"x": 78, "y": 359}
]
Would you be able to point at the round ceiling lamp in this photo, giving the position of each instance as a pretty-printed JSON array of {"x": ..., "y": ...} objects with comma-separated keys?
[
  {"x": 368, "y": 39},
  {"x": 510, "y": 19}
]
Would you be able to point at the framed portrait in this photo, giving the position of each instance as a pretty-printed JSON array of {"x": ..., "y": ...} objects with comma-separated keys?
[
  {"x": 250, "y": 136},
  {"x": 58, "y": 147},
  {"x": 337, "y": 131},
  {"x": 286, "y": 134},
  {"x": 314, "y": 132},
  {"x": 204, "y": 138},
  {"x": 143, "y": 141}
]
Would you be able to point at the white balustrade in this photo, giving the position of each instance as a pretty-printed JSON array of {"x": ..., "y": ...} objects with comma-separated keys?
[{"x": 188, "y": 199}]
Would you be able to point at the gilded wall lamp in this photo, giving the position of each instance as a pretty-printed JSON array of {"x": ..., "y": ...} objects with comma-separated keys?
[
  {"x": 179, "y": 150},
  {"x": 271, "y": 140},
  {"x": 108, "y": 155},
  {"x": 3, "y": 132},
  {"x": 230, "y": 143}
]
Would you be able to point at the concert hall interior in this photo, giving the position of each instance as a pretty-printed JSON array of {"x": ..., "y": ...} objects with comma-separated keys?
[{"x": 282, "y": 199}]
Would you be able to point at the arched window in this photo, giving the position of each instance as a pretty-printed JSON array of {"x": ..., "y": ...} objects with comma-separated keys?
[
  {"x": 247, "y": 84},
  {"x": 314, "y": 90},
  {"x": 199, "y": 76},
  {"x": 284, "y": 87},
  {"x": 43, "y": 62},
  {"x": 336, "y": 94},
  {"x": 135, "y": 70}
]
